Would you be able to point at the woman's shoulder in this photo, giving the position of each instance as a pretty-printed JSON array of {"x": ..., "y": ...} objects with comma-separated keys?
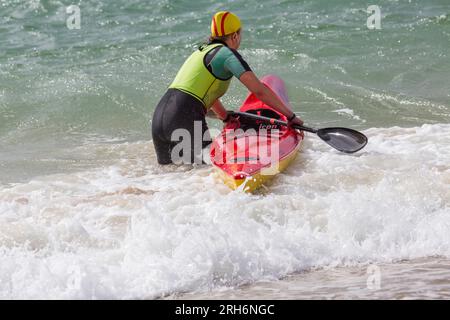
[{"x": 229, "y": 52}]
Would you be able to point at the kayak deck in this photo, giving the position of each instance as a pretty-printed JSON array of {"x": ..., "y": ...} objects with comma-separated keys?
[{"x": 254, "y": 153}]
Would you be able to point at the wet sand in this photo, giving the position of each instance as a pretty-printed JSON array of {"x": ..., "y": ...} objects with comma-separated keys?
[{"x": 427, "y": 278}]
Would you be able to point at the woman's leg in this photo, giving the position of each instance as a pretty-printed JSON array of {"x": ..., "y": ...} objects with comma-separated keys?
[
  {"x": 163, "y": 146},
  {"x": 178, "y": 129}
]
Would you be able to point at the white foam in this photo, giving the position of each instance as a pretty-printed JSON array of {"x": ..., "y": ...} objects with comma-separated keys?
[
  {"x": 135, "y": 230},
  {"x": 326, "y": 97},
  {"x": 350, "y": 112}
]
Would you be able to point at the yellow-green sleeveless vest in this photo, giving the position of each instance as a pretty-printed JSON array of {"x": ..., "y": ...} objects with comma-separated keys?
[{"x": 195, "y": 79}]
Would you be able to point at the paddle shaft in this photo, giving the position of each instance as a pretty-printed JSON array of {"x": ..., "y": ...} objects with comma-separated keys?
[
  {"x": 271, "y": 121},
  {"x": 343, "y": 139}
]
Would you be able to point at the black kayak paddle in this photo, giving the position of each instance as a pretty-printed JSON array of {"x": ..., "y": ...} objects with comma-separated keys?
[{"x": 343, "y": 139}]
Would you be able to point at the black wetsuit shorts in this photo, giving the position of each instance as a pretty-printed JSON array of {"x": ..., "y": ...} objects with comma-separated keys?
[{"x": 179, "y": 128}]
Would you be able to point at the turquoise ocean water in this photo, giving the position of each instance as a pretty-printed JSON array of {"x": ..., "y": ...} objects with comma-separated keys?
[{"x": 86, "y": 212}]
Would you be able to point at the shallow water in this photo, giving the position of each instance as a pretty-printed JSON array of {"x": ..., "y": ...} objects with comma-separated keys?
[
  {"x": 86, "y": 212},
  {"x": 423, "y": 279},
  {"x": 136, "y": 230}
]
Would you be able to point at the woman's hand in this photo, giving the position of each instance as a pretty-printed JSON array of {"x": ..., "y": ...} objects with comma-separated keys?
[
  {"x": 231, "y": 121},
  {"x": 294, "y": 120}
]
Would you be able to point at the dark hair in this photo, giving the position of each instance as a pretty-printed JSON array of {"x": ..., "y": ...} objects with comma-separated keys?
[
  {"x": 223, "y": 38},
  {"x": 211, "y": 39}
]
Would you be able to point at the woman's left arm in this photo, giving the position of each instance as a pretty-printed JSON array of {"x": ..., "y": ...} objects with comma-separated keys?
[{"x": 219, "y": 110}]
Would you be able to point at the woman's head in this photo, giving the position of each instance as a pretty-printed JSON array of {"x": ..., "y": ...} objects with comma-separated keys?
[{"x": 227, "y": 27}]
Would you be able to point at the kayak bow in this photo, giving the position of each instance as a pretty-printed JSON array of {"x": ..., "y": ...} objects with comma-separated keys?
[{"x": 256, "y": 151}]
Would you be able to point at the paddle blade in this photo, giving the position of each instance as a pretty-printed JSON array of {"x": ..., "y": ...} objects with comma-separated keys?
[{"x": 343, "y": 139}]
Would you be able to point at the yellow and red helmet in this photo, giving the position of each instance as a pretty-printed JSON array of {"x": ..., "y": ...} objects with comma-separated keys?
[{"x": 224, "y": 23}]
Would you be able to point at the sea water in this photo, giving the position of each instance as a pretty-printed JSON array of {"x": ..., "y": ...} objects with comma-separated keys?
[{"x": 87, "y": 213}]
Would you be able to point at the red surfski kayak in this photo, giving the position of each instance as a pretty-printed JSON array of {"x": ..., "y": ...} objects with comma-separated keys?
[{"x": 255, "y": 152}]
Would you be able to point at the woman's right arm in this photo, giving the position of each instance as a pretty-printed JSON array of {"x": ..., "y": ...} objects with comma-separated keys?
[{"x": 266, "y": 95}]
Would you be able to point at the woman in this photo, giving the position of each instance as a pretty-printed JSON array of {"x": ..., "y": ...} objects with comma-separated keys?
[{"x": 202, "y": 80}]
